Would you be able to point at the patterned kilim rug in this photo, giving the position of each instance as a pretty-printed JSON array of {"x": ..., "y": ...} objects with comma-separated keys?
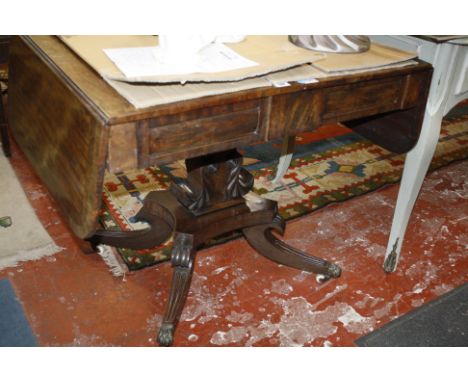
[{"x": 332, "y": 164}]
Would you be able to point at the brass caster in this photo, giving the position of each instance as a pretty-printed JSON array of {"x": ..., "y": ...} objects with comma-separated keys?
[{"x": 166, "y": 335}]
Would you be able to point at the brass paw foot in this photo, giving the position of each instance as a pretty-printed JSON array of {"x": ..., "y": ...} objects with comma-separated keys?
[{"x": 166, "y": 335}]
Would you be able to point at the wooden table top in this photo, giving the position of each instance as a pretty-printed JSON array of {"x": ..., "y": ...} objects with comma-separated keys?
[{"x": 115, "y": 109}]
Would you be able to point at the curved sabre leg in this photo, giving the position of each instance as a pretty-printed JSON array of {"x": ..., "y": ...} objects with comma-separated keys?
[
  {"x": 183, "y": 253},
  {"x": 262, "y": 239},
  {"x": 156, "y": 212},
  {"x": 158, "y": 232}
]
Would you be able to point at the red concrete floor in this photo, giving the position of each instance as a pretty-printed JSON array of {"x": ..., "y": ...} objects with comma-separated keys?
[{"x": 239, "y": 298}]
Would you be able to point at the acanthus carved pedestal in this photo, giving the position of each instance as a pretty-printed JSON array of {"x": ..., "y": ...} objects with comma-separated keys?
[{"x": 207, "y": 204}]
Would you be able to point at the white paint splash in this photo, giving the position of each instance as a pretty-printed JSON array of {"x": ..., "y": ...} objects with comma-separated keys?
[
  {"x": 418, "y": 302},
  {"x": 368, "y": 300},
  {"x": 234, "y": 335},
  {"x": 192, "y": 337},
  {"x": 385, "y": 310},
  {"x": 239, "y": 317},
  {"x": 375, "y": 251},
  {"x": 329, "y": 295},
  {"x": 220, "y": 270},
  {"x": 350, "y": 317},
  {"x": 300, "y": 323},
  {"x": 281, "y": 287},
  {"x": 302, "y": 276},
  {"x": 354, "y": 322},
  {"x": 203, "y": 304},
  {"x": 442, "y": 289}
]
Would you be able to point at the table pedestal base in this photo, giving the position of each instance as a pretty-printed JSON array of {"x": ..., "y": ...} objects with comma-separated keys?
[{"x": 197, "y": 210}]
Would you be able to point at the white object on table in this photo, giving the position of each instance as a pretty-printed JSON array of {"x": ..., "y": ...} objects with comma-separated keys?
[
  {"x": 179, "y": 55},
  {"x": 176, "y": 48}
]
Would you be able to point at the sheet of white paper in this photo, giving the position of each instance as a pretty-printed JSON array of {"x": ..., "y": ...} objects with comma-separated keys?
[{"x": 150, "y": 61}]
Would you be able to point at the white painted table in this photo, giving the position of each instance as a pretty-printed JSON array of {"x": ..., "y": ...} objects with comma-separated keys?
[{"x": 448, "y": 87}]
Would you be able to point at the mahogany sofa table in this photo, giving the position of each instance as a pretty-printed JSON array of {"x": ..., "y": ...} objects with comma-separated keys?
[{"x": 73, "y": 126}]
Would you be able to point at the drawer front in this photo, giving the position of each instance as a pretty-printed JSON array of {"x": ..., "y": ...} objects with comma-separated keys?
[
  {"x": 297, "y": 112},
  {"x": 357, "y": 100},
  {"x": 221, "y": 129}
]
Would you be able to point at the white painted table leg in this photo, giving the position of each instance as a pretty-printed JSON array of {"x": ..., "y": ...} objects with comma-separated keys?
[
  {"x": 419, "y": 158},
  {"x": 416, "y": 165},
  {"x": 283, "y": 165},
  {"x": 285, "y": 158}
]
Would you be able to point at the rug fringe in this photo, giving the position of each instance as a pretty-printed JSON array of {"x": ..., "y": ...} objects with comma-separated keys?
[
  {"x": 112, "y": 260},
  {"x": 32, "y": 254}
]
